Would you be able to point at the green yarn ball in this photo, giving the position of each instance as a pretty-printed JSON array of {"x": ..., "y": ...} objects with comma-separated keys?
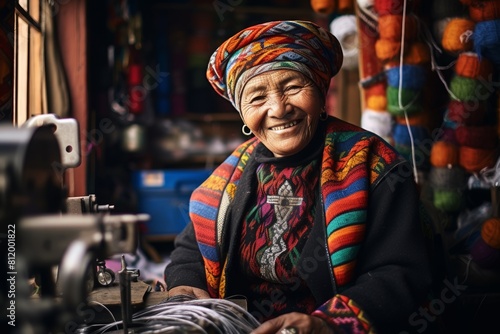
[
  {"x": 468, "y": 89},
  {"x": 410, "y": 100},
  {"x": 448, "y": 200}
]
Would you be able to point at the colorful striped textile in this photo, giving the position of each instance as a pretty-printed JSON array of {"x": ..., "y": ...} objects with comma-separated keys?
[{"x": 296, "y": 45}]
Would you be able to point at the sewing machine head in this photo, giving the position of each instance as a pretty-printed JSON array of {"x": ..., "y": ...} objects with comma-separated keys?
[{"x": 42, "y": 230}]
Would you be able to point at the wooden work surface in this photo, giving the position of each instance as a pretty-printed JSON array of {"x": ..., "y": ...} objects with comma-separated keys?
[
  {"x": 110, "y": 295},
  {"x": 142, "y": 296}
]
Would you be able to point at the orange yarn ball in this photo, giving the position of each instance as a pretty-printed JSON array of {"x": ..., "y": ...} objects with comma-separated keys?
[
  {"x": 457, "y": 35},
  {"x": 444, "y": 154},
  {"x": 490, "y": 232},
  {"x": 323, "y": 6},
  {"x": 470, "y": 66},
  {"x": 377, "y": 102},
  {"x": 375, "y": 96},
  {"x": 473, "y": 160},
  {"x": 416, "y": 53},
  {"x": 386, "y": 49},
  {"x": 391, "y": 27},
  {"x": 484, "y": 10},
  {"x": 419, "y": 118},
  {"x": 345, "y": 6}
]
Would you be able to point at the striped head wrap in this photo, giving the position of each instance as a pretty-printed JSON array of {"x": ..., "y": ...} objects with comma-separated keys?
[{"x": 296, "y": 45}]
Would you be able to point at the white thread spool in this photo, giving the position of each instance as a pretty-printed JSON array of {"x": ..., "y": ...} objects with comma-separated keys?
[
  {"x": 378, "y": 122},
  {"x": 346, "y": 30}
]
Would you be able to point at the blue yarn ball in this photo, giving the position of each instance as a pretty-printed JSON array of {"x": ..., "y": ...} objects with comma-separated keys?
[
  {"x": 487, "y": 40},
  {"x": 413, "y": 76},
  {"x": 401, "y": 135}
]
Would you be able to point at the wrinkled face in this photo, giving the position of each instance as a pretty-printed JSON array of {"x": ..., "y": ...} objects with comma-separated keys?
[{"x": 282, "y": 108}]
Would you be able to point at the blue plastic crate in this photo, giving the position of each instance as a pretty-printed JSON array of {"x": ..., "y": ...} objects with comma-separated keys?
[{"x": 164, "y": 195}]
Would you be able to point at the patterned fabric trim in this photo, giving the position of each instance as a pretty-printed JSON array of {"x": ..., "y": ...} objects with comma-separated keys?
[
  {"x": 208, "y": 207},
  {"x": 344, "y": 316}
]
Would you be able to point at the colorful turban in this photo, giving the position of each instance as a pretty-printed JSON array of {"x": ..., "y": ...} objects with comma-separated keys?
[{"x": 296, "y": 45}]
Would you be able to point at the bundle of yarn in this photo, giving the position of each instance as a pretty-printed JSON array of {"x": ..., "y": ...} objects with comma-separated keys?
[{"x": 184, "y": 314}]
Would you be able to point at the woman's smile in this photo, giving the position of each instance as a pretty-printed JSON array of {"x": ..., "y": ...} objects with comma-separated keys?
[{"x": 286, "y": 126}]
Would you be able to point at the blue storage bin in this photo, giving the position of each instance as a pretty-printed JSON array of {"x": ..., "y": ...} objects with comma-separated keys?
[{"x": 164, "y": 195}]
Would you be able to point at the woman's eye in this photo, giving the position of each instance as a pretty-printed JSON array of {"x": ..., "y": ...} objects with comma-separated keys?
[
  {"x": 293, "y": 89},
  {"x": 256, "y": 99}
]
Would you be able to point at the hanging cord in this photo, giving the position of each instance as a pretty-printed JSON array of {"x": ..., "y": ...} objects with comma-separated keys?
[
  {"x": 429, "y": 40},
  {"x": 400, "y": 87}
]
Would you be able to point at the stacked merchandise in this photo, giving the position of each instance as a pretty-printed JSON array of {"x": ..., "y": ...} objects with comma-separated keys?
[
  {"x": 397, "y": 101},
  {"x": 469, "y": 137}
]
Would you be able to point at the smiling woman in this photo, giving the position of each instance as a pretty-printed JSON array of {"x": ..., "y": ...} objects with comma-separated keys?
[
  {"x": 282, "y": 109},
  {"x": 304, "y": 219}
]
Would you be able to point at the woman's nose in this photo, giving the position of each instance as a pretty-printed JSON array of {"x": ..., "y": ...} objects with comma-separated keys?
[{"x": 278, "y": 106}]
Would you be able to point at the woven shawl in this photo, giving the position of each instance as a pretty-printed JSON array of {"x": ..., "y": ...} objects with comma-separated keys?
[{"x": 353, "y": 161}]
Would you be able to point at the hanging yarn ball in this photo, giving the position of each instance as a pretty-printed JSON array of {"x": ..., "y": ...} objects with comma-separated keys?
[
  {"x": 448, "y": 200},
  {"x": 478, "y": 136},
  {"x": 410, "y": 101},
  {"x": 444, "y": 154},
  {"x": 325, "y": 7},
  {"x": 438, "y": 27},
  {"x": 416, "y": 53},
  {"x": 467, "y": 89},
  {"x": 411, "y": 76},
  {"x": 487, "y": 40},
  {"x": 377, "y": 102},
  {"x": 419, "y": 118},
  {"x": 466, "y": 112},
  {"x": 378, "y": 122},
  {"x": 457, "y": 35},
  {"x": 377, "y": 88},
  {"x": 490, "y": 232},
  {"x": 484, "y": 10},
  {"x": 473, "y": 159},
  {"x": 386, "y": 49},
  {"x": 391, "y": 27},
  {"x": 345, "y": 6},
  {"x": 484, "y": 255},
  {"x": 385, "y": 7},
  {"x": 401, "y": 134},
  {"x": 469, "y": 65},
  {"x": 375, "y": 96},
  {"x": 447, "y": 177},
  {"x": 345, "y": 29}
]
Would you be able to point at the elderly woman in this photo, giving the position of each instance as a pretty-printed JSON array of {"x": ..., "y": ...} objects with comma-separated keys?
[{"x": 313, "y": 220}]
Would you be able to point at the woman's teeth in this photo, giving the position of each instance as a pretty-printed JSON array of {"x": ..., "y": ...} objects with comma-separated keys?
[{"x": 285, "y": 126}]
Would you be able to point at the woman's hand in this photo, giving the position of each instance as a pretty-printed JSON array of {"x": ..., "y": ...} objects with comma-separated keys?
[
  {"x": 188, "y": 290},
  {"x": 300, "y": 322}
]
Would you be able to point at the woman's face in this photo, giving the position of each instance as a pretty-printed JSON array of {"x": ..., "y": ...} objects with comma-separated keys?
[{"x": 282, "y": 108}]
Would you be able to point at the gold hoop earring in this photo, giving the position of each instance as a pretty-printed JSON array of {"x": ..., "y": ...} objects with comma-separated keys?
[
  {"x": 323, "y": 115},
  {"x": 246, "y": 130}
]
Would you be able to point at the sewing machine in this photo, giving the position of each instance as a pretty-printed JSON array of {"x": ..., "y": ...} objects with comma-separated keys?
[{"x": 58, "y": 242}]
